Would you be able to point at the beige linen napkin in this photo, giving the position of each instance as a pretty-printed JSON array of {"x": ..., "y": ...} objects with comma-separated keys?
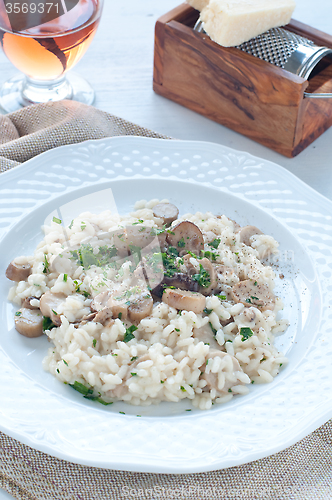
[{"x": 302, "y": 472}]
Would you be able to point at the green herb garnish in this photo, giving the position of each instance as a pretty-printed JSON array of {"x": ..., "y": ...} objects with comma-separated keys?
[
  {"x": 94, "y": 342},
  {"x": 86, "y": 257},
  {"x": 56, "y": 220},
  {"x": 88, "y": 393},
  {"x": 46, "y": 265},
  {"x": 48, "y": 324},
  {"x": 207, "y": 311},
  {"x": 203, "y": 278},
  {"x": 213, "y": 329},
  {"x": 246, "y": 333},
  {"x": 129, "y": 333},
  {"x": 215, "y": 243},
  {"x": 181, "y": 243},
  {"x": 65, "y": 278}
]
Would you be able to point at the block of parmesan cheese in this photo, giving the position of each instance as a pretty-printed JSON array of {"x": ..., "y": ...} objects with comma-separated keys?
[
  {"x": 232, "y": 22},
  {"x": 198, "y": 4}
]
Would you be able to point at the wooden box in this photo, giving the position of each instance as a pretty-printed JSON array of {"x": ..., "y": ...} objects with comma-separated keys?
[{"x": 249, "y": 95}]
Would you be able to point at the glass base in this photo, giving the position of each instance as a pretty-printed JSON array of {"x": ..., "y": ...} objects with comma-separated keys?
[{"x": 19, "y": 92}]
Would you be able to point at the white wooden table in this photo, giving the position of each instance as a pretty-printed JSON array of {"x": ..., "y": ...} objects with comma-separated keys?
[{"x": 119, "y": 65}]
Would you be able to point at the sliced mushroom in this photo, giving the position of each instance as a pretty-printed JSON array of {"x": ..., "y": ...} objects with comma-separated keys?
[
  {"x": 128, "y": 239},
  {"x": 18, "y": 272},
  {"x": 178, "y": 280},
  {"x": 212, "y": 378},
  {"x": 184, "y": 300},
  {"x": 103, "y": 316},
  {"x": 251, "y": 294},
  {"x": 119, "y": 308},
  {"x": 247, "y": 232},
  {"x": 205, "y": 334},
  {"x": 167, "y": 212},
  {"x": 121, "y": 243},
  {"x": 140, "y": 308},
  {"x": 49, "y": 306},
  {"x": 27, "y": 303},
  {"x": 106, "y": 302},
  {"x": 206, "y": 290},
  {"x": 207, "y": 265},
  {"x": 29, "y": 322},
  {"x": 99, "y": 302},
  {"x": 186, "y": 236}
]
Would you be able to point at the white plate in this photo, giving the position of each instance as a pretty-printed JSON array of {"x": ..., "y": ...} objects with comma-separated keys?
[{"x": 49, "y": 416}]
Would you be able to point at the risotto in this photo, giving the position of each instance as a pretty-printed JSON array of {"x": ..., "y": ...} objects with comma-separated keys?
[{"x": 152, "y": 307}]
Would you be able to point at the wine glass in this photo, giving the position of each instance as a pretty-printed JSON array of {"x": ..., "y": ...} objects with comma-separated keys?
[{"x": 44, "y": 40}]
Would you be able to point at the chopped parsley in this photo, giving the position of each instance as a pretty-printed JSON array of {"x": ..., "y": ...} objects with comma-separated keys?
[
  {"x": 215, "y": 243},
  {"x": 71, "y": 224},
  {"x": 94, "y": 342},
  {"x": 133, "y": 374},
  {"x": 83, "y": 226},
  {"x": 181, "y": 243},
  {"x": 207, "y": 311},
  {"x": 65, "y": 278},
  {"x": 254, "y": 298},
  {"x": 46, "y": 265},
  {"x": 246, "y": 333},
  {"x": 65, "y": 362},
  {"x": 173, "y": 251},
  {"x": 48, "y": 324},
  {"x": 86, "y": 257},
  {"x": 183, "y": 389},
  {"x": 129, "y": 333},
  {"x": 203, "y": 277},
  {"x": 230, "y": 390},
  {"x": 221, "y": 297},
  {"x": 210, "y": 255},
  {"x": 56, "y": 220},
  {"x": 213, "y": 329},
  {"x": 18, "y": 313},
  {"x": 134, "y": 358},
  {"x": 177, "y": 329},
  {"x": 87, "y": 392}
]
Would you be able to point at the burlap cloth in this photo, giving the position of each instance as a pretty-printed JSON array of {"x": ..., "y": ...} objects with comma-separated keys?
[{"x": 302, "y": 472}]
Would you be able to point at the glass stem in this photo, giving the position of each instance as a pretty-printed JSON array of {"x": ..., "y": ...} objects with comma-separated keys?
[{"x": 37, "y": 91}]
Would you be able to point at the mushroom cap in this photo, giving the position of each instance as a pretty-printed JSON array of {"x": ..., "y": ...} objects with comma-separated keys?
[
  {"x": 167, "y": 212},
  {"x": 184, "y": 300},
  {"x": 250, "y": 294},
  {"x": 29, "y": 322},
  {"x": 186, "y": 237},
  {"x": 18, "y": 272},
  {"x": 246, "y": 232},
  {"x": 49, "y": 306},
  {"x": 140, "y": 308}
]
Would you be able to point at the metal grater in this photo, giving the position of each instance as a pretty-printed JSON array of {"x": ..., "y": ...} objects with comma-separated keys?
[{"x": 285, "y": 49}]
